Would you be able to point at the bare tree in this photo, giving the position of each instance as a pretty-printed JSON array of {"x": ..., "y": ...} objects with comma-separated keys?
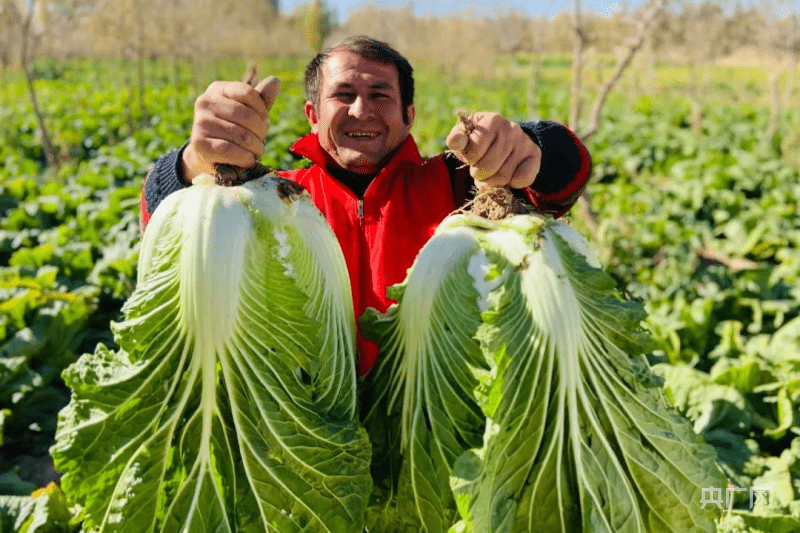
[
  {"x": 316, "y": 24},
  {"x": 9, "y": 37},
  {"x": 576, "y": 92},
  {"x": 792, "y": 46},
  {"x": 632, "y": 46},
  {"x": 645, "y": 24},
  {"x": 22, "y": 17}
]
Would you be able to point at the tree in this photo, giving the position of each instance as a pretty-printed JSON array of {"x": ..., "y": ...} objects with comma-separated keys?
[
  {"x": 9, "y": 38},
  {"x": 22, "y": 20},
  {"x": 645, "y": 23},
  {"x": 316, "y": 24}
]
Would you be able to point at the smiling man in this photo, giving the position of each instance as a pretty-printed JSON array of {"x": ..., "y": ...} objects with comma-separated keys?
[
  {"x": 357, "y": 112},
  {"x": 382, "y": 199}
]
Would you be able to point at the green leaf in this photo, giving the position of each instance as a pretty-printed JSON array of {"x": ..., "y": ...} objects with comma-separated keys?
[
  {"x": 47, "y": 511},
  {"x": 772, "y": 523},
  {"x": 745, "y": 374}
]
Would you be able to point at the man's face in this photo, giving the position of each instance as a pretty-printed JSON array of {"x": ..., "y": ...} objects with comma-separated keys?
[{"x": 359, "y": 119}]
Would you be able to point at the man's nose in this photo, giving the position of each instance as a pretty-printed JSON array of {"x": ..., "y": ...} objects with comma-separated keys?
[{"x": 361, "y": 108}]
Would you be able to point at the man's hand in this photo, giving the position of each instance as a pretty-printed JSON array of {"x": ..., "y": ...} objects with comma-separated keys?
[
  {"x": 497, "y": 151},
  {"x": 230, "y": 124}
]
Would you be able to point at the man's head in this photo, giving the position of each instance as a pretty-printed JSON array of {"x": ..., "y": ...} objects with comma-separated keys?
[{"x": 360, "y": 102}]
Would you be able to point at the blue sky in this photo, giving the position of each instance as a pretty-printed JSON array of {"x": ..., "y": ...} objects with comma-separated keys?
[{"x": 485, "y": 7}]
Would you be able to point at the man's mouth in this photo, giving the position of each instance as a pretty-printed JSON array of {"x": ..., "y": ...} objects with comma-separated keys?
[{"x": 361, "y": 135}]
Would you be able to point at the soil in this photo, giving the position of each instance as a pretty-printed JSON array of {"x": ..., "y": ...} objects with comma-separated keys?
[
  {"x": 495, "y": 203},
  {"x": 230, "y": 175}
]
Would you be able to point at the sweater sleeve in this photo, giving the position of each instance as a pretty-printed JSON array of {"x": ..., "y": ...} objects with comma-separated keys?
[
  {"x": 163, "y": 178},
  {"x": 565, "y": 169},
  {"x": 564, "y": 172}
]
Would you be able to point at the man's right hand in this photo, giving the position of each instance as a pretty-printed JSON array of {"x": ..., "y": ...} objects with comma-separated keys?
[{"x": 230, "y": 124}]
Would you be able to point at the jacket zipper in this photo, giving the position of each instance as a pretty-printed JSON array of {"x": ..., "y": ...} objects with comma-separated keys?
[{"x": 360, "y": 212}]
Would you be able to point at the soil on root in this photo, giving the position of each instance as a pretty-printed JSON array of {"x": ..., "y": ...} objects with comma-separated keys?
[
  {"x": 496, "y": 203},
  {"x": 231, "y": 176}
]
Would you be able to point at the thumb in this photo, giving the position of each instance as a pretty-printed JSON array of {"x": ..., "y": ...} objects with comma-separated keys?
[
  {"x": 457, "y": 140},
  {"x": 268, "y": 88}
]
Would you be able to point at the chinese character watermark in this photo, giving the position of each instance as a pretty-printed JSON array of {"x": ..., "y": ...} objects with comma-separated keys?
[{"x": 713, "y": 496}]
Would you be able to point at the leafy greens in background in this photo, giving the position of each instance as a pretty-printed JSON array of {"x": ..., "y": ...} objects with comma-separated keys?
[
  {"x": 703, "y": 229},
  {"x": 665, "y": 196},
  {"x": 46, "y": 511}
]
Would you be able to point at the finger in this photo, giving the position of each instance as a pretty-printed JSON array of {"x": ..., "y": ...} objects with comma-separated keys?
[
  {"x": 208, "y": 129},
  {"x": 516, "y": 172},
  {"x": 501, "y": 177},
  {"x": 244, "y": 94},
  {"x": 221, "y": 113},
  {"x": 216, "y": 150},
  {"x": 492, "y": 182},
  {"x": 525, "y": 173},
  {"x": 495, "y": 158},
  {"x": 480, "y": 141},
  {"x": 268, "y": 88},
  {"x": 457, "y": 139}
]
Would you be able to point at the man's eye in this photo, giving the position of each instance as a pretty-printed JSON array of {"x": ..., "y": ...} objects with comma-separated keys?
[{"x": 345, "y": 95}]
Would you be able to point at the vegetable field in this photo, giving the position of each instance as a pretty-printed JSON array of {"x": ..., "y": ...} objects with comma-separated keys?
[{"x": 699, "y": 223}]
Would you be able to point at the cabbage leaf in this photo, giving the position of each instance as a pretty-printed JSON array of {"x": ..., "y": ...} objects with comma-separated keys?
[
  {"x": 230, "y": 404},
  {"x": 517, "y": 377}
]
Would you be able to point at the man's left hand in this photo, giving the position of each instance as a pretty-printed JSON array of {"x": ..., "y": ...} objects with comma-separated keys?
[{"x": 497, "y": 151}]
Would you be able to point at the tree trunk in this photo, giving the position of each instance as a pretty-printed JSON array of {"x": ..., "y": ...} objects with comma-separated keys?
[
  {"x": 576, "y": 97},
  {"x": 140, "y": 59},
  {"x": 533, "y": 85},
  {"x": 775, "y": 107},
  {"x": 623, "y": 62},
  {"x": 25, "y": 57}
]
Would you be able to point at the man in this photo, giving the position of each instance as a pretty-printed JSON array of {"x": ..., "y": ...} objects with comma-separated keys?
[{"x": 381, "y": 198}]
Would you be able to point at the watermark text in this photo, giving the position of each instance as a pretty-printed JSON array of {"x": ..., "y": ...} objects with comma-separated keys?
[{"x": 714, "y": 496}]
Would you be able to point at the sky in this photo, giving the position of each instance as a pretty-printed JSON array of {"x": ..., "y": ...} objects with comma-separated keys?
[{"x": 478, "y": 7}]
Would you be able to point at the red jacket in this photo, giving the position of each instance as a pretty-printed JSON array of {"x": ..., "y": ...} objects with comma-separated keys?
[{"x": 382, "y": 232}]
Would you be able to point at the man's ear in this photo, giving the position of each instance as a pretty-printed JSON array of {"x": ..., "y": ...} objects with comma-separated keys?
[
  {"x": 410, "y": 115},
  {"x": 311, "y": 115}
]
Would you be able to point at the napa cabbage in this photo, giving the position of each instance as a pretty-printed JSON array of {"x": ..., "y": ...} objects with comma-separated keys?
[
  {"x": 230, "y": 404},
  {"x": 512, "y": 394}
]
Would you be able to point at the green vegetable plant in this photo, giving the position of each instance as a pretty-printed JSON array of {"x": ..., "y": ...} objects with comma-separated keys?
[
  {"x": 516, "y": 374},
  {"x": 230, "y": 404}
]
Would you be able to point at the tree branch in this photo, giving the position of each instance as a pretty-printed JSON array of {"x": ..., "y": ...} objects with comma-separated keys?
[
  {"x": 25, "y": 57},
  {"x": 645, "y": 25},
  {"x": 576, "y": 98}
]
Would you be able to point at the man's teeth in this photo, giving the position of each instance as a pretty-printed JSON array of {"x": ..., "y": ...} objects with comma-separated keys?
[{"x": 362, "y": 135}]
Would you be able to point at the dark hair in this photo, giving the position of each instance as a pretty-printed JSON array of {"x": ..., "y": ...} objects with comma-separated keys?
[{"x": 371, "y": 49}]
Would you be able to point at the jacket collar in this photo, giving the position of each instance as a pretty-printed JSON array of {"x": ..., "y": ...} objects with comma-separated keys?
[{"x": 308, "y": 146}]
